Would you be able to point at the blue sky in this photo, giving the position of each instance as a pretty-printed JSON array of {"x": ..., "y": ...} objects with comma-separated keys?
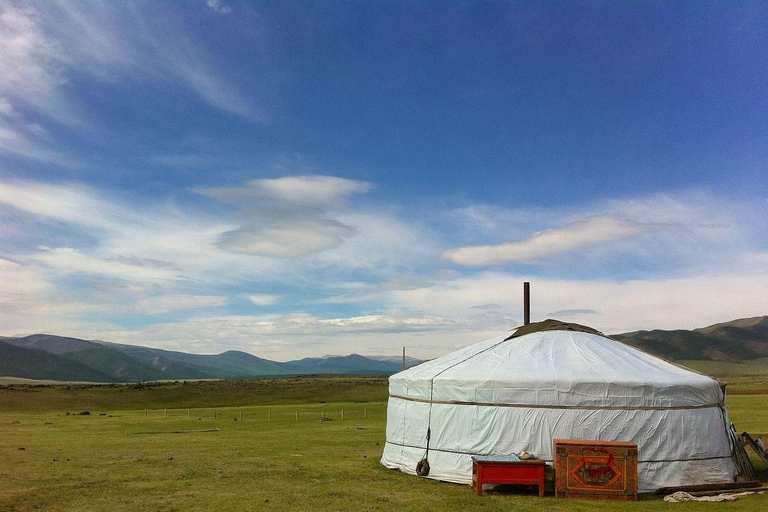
[{"x": 295, "y": 178}]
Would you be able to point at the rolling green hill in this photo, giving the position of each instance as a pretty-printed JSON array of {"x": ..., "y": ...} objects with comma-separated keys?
[
  {"x": 118, "y": 366},
  {"x": 749, "y": 332},
  {"x": 353, "y": 364},
  {"x": 32, "y": 363},
  {"x": 51, "y": 343},
  {"x": 45, "y": 356},
  {"x": 737, "y": 341},
  {"x": 681, "y": 344},
  {"x": 113, "y": 362},
  {"x": 227, "y": 365}
]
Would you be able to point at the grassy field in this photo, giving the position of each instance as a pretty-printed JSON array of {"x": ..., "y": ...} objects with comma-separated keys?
[
  {"x": 119, "y": 459},
  {"x": 194, "y": 394},
  {"x": 747, "y": 368}
]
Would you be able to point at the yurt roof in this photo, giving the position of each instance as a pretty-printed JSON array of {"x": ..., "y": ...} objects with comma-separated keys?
[
  {"x": 553, "y": 325},
  {"x": 554, "y": 363}
]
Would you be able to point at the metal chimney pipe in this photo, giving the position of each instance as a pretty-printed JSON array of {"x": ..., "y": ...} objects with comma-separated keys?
[{"x": 526, "y": 303}]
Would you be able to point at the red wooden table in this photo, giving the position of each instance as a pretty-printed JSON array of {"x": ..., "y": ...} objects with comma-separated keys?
[{"x": 501, "y": 470}]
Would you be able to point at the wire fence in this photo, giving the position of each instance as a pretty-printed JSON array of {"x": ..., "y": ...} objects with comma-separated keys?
[{"x": 282, "y": 414}]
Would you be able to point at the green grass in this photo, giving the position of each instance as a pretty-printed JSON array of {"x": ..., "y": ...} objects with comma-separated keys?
[
  {"x": 126, "y": 461},
  {"x": 748, "y": 368},
  {"x": 194, "y": 394}
]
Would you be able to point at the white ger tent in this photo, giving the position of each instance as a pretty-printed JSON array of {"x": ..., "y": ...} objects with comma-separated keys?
[{"x": 553, "y": 380}]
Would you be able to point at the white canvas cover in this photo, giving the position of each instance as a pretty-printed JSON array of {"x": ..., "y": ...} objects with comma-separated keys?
[{"x": 505, "y": 395}]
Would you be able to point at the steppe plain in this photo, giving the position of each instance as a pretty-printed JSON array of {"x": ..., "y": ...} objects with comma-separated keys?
[{"x": 238, "y": 445}]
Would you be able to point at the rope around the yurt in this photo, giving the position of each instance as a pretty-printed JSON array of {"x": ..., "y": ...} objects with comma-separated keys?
[{"x": 422, "y": 467}]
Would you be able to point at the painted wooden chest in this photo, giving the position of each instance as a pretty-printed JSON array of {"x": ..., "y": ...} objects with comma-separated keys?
[{"x": 598, "y": 470}]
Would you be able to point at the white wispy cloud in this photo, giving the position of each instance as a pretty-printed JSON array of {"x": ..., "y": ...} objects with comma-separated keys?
[
  {"x": 296, "y": 191},
  {"x": 157, "y": 242},
  {"x": 591, "y": 232},
  {"x": 6, "y": 109},
  {"x": 759, "y": 259},
  {"x": 20, "y": 137},
  {"x": 565, "y": 313},
  {"x": 162, "y": 259},
  {"x": 385, "y": 243},
  {"x": 29, "y": 300},
  {"x": 299, "y": 335},
  {"x": 263, "y": 299},
  {"x": 189, "y": 242},
  {"x": 159, "y": 304},
  {"x": 68, "y": 260},
  {"x": 435, "y": 320},
  {"x": 292, "y": 239},
  {"x": 287, "y": 217},
  {"x": 28, "y": 140},
  {"x": 218, "y": 6},
  {"x": 67, "y": 203},
  {"x": 144, "y": 261},
  {"x": 32, "y": 300},
  {"x": 609, "y": 305},
  {"x": 33, "y": 63},
  {"x": 20, "y": 280},
  {"x": 14, "y": 142},
  {"x": 44, "y": 46}
]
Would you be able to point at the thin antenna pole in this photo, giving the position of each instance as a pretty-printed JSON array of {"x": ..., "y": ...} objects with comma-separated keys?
[
  {"x": 526, "y": 303},
  {"x": 403, "y": 358}
]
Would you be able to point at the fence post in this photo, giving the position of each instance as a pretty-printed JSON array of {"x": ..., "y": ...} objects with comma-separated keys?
[
  {"x": 145, "y": 412},
  {"x": 187, "y": 413},
  {"x": 365, "y": 413},
  {"x": 297, "y": 415},
  {"x": 165, "y": 413},
  {"x": 269, "y": 416},
  {"x": 342, "y": 414},
  {"x": 241, "y": 415},
  {"x": 214, "y": 414}
]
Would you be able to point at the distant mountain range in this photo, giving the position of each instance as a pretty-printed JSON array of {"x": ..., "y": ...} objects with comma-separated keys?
[
  {"x": 735, "y": 341},
  {"x": 49, "y": 357}
]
